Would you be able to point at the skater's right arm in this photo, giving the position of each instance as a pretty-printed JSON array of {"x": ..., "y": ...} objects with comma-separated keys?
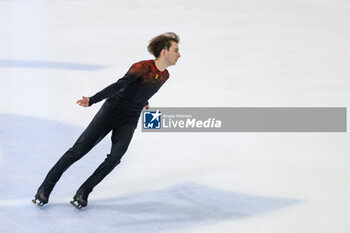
[
  {"x": 84, "y": 101},
  {"x": 112, "y": 89},
  {"x": 135, "y": 71}
]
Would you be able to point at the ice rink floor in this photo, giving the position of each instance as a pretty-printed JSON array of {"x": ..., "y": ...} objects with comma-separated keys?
[{"x": 234, "y": 54}]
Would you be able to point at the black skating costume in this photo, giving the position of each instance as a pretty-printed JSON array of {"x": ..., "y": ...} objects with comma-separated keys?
[{"x": 119, "y": 114}]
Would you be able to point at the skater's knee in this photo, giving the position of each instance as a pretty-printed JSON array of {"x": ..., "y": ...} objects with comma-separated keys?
[
  {"x": 74, "y": 154},
  {"x": 119, "y": 149},
  {"x": 114, "y": 158}
]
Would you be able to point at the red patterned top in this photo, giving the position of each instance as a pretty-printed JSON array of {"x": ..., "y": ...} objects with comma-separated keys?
[{"x": 131, "y": 93}]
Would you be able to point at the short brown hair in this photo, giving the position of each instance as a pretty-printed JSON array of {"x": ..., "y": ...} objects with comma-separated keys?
[{"x": 163, "y": 41}]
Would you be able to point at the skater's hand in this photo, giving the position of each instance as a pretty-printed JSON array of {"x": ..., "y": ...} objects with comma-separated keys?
[
  {"x": 147, "y": 106},
  {"x": 84, "y": 101}
]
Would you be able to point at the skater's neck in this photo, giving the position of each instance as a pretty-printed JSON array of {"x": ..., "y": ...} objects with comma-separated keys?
[{"x": 160, "y": 64}]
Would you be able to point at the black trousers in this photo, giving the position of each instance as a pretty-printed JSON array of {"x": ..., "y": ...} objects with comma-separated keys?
[{"x": 103, "y": 122}]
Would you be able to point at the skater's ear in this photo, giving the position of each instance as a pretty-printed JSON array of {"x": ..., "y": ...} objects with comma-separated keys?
[{"x": 163, "y": 53}]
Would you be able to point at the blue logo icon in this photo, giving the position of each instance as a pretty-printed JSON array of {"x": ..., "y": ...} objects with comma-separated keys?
[{"x": 151, "y": 119}]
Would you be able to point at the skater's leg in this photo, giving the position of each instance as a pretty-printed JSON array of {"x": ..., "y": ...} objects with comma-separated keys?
[
  {"x": 99, "y": 127},
  {"x": 121, "y": 138}
]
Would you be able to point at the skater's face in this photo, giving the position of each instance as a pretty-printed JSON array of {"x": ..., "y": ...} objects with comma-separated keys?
[{"x": 172, "y": 55}]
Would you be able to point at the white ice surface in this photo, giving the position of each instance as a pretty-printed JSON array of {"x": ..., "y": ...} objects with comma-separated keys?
[{"x": 234, "y": 54}]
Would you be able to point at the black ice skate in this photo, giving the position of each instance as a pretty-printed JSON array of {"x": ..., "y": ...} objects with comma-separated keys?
[
  {"x": 80, "y": 200},
  {"x": 41, "y": 197}
]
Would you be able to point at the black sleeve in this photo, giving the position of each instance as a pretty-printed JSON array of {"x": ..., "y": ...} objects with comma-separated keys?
[{"x": 112, "y": 89}]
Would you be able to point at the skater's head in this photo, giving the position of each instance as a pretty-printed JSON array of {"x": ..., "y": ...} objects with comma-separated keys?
[{"x": 166, "y": 46}]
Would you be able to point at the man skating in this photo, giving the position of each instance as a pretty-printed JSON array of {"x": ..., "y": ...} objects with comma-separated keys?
[{"x": 120, "y": 113}]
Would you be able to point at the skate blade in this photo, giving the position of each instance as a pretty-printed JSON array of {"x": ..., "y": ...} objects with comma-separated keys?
[
  {"x": 76, "y": 205},
  {"x": 37, "y": 202}
]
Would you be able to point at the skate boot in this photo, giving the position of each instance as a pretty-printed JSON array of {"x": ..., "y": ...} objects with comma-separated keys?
[
  {"x": 80, "y": 199},
  {"x": 41, "y": 197}
]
